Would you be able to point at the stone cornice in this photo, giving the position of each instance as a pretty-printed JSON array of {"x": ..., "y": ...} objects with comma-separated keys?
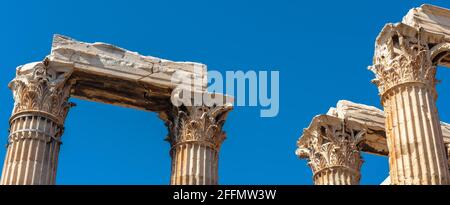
[
  {"x": 372, "y": 120},
  {"x": 431, "y": 18}
]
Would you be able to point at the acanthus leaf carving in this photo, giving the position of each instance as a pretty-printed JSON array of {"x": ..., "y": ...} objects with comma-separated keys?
[
  {"x": 37, "y": 87},
  {"x": 402, "y": 58},
  {"x": 332, "y": 145},
  {"x": 200, "y": 124}
]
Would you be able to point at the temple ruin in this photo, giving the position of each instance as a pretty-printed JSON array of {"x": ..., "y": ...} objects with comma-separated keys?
[
  {"x": 409, "y": 130},
  {"x": 104, "y": 73}
]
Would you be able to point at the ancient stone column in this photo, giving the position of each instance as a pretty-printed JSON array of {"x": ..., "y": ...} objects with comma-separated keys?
[
  {"x": 448, "y": 155},
  {"x": 36, "y": 124},
  {"x": 405, "y": 77},
  {"x": 331, "y": 149},
  {"x": 195, "y": 136}
]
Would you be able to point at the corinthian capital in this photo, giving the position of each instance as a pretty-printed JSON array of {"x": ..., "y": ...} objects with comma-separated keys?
[
  {"x": 402, "y": 55},
  {"x": 41, "y": 88},
  {"x": 329, "y": 143},
  {"x": 197, "y": 124}
]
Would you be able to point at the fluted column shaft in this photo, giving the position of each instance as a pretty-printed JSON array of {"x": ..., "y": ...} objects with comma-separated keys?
[
  {"x": 32, "y": 152},
  {"x": 336, "y": 176},
  {"x": 36, "y": 125},
  {"x": 405, "y": 76},
  {"x": 194, "y": 163},
  {"x": 415, "y": 142},
  {"x": 195, "y": 135},
  {"x": 448, "y": 155}
]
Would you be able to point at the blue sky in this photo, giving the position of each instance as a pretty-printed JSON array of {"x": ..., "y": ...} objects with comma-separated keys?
[{"x": 321, "y": 48}]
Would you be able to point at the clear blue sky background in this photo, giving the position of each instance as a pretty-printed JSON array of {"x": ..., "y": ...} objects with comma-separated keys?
[{"x": 321, "y": 48}]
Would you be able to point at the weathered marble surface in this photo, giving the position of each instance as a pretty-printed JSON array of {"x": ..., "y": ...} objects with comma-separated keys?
[
  {"x": 360, "y": 117},
  {"x": 431, "y": 18},
  {"x": 404, "y": 64},
  {"x": 109, "y": 74},
  {"x": 105, "y": 73},
  {"x": 330, "y": 144},
  {"x": 434, "y": 21},
  {"x": 372, "y": 118},
  {"x": 368, "y": 117}
]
